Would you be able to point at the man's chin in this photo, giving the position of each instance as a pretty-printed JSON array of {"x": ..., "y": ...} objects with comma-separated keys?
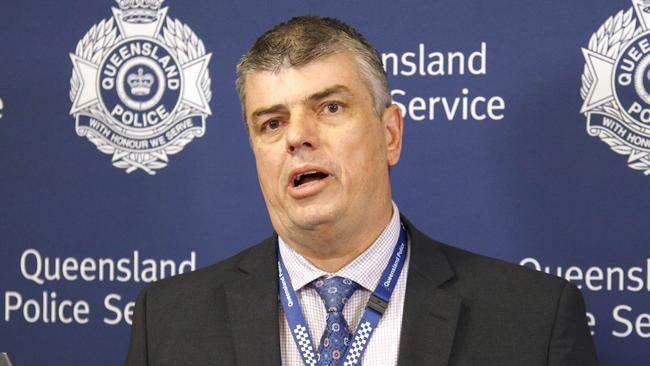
[{"x": 313, "y": 217}]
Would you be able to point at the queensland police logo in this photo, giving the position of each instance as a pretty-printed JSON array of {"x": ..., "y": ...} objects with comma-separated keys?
[
  {"x": 140, "y": 87},
  {"x": 616, "y": 84}
]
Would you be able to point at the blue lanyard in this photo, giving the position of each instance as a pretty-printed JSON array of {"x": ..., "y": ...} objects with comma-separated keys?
[{"x": 371, "y": 316}]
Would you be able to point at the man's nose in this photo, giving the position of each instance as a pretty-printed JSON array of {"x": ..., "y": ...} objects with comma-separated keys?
[{"x": 302, "y": 132}]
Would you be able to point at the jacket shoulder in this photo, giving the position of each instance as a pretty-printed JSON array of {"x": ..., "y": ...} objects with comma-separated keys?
[
  {"x": 506, "y": 307},
  {"x": 483, "y": 269},
  {"x": 476, "y": 276},
  {"x": 207, "y": 278}
]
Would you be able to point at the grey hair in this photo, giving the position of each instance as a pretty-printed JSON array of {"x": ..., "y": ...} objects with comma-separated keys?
[{"x": 307, "y": 38}]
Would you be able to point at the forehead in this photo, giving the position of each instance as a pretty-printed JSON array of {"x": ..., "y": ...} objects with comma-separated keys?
[{"x": 291, "y": 85}]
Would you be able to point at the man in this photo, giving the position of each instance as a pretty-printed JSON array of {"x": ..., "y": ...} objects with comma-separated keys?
[{"x": 356, "y": 283}]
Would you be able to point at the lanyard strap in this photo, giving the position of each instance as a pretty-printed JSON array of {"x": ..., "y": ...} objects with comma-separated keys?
[{"x": 371, "y": 316}]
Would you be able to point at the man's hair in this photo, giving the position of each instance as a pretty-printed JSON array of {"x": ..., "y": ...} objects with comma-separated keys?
[{"x": 304, "y": 39}]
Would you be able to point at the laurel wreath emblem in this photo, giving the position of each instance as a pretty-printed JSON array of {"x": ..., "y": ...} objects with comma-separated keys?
[
  {"x": 611, "y": 39},
  {"x": 184, "y": 44}
]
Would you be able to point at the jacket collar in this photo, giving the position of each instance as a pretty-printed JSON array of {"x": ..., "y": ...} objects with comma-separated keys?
[
  {"x": 252, "y": 301},
  {"x": 431, "y": 312}
]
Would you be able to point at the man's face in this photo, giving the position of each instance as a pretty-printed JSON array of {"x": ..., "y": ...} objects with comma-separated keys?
[{"x": 321, "y": 151}]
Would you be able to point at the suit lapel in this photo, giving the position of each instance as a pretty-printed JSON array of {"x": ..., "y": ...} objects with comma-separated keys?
[
  {"x": 253, "y": 307},
  {"x": 430, "y": 312}
]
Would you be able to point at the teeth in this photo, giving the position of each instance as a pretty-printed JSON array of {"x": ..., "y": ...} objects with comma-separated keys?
[
  {"x": 299, "y": 176},
  {"x": 305, "y": 173}
]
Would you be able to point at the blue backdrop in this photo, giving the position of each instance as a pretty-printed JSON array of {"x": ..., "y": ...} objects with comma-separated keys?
[{"x": 532, "y": 181}]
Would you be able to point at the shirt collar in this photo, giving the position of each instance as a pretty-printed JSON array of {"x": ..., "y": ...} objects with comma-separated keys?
[{"x": 365, "y": 270}]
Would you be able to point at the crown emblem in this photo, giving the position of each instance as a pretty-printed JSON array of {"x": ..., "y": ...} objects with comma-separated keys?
[
  {"x": 139, "y": 11},
  {"x": 140, "y": 83}
]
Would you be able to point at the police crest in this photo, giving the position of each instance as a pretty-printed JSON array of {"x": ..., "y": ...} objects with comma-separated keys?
[
  {"x": 616, "y": 84},
  {"x": 140, "y": 86}
]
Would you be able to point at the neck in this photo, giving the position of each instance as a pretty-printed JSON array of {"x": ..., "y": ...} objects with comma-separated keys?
[{"x": 330, "y": 249}]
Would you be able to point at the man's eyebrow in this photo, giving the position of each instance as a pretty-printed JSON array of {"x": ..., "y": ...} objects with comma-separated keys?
[
  {"x": 268, "y": 110},
  {"x": 336, "y": 89}
]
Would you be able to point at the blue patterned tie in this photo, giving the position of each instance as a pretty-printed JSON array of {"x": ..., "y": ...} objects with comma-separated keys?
[{"x": 335, "y": 292}]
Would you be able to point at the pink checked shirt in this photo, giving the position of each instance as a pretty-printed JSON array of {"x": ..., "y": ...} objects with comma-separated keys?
[{"x": 365, "y": 270}]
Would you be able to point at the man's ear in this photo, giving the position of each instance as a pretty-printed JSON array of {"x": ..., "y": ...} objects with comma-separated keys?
[{"x": 393, "y": 129}]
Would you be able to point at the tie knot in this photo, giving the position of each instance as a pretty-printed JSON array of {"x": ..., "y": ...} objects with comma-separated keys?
[{"x": 335, "y": 291}]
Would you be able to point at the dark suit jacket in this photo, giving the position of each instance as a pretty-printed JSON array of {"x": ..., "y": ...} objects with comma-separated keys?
[{"x": 460, "y": 309}]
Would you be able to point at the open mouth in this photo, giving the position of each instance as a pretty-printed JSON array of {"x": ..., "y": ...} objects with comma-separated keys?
[{"x": 307, "y": 177}]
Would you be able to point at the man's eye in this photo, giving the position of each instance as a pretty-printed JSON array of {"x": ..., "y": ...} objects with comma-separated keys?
[
  {"x": 271, "y": 125},
  {"x": 333, "y": 108}
]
